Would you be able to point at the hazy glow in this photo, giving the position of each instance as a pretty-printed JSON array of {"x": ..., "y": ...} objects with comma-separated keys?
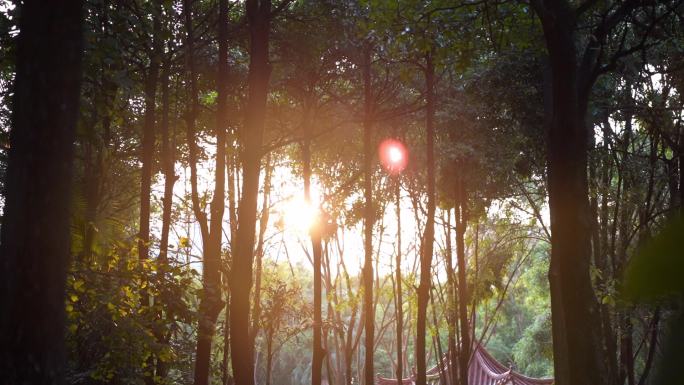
[
  {"x": 299, "y": 216},
  {"x": 393, "y": 155}
]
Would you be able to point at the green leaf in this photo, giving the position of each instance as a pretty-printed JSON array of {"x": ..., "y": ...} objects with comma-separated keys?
[
  {"x": 655, "y": 271},
  {"x": 78, "y": 285},
  {"x": 183, "y": 242}
]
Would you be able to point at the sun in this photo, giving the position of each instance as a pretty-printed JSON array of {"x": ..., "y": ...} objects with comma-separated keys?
[
  {"x": 299, "y": 216},
  {"x": 395, "y": 154}
]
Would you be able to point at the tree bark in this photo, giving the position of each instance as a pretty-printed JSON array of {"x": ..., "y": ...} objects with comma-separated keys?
[
  {"x": 210, "y": 302},
  {"x": 167, "y": 158},
  {"x": 259, "y": 253},
  {"x": 626, "y": 351},
  {"x": 93, "y": 169},
  {"x": 599, "y": 187},
  {"x": 269, "y": 358},
  {"x": 34, "y": 252},
  {"x": 232, "y": 214},
  {"x": 452, "y": 318},
  {"x": 461, "y": 223},
  {"x": 147, "y": 156},
  {"x": 148, "y": 137},
  {"x": 429, "y": 232},
  {"x": 315, "y": 234},
  {"x": 400, "y": 300},
  {"x": 576, "y": 339},
  {"x": 168, "y": 168},
  {"x": 436, "y": 340},
  {"x": 258, "y": 18},
  {"x": 368, "y": 221}
]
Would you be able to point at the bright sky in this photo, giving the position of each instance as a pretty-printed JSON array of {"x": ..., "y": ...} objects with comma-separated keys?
[{"x": 288, "y": 207}]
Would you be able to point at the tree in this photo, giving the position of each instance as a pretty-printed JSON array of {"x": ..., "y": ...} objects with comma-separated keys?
[
  {"x": 469, "y": 87},
  {"x": 578, "y": 354},
  {"x": 281, "y": 320},
  {"x": 147, "y": 152},
  {"x": 148, "y": 136},
  {"x": 35, "y": 241},
  {"x": 211, "y": 229},
  {"x": 427, "y": 244},
  {"x": 368, "y": 217},
  {"x": 258, "y": 17}
]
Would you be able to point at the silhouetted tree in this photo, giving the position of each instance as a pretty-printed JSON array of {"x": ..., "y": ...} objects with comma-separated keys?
[{"x": 35, "y": 238}]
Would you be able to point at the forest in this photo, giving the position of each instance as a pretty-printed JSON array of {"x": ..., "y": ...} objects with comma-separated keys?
[{"x": 342, "y": 192}]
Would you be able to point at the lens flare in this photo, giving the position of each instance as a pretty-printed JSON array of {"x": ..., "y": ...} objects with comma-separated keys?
[{"x": 393, "y": 155}]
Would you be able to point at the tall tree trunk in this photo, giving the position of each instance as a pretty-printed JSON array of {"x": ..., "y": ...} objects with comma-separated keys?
[
  {"x": 576, "y": 339},
  {"x": 599, "y": 187},
  {"x": 368, "y": 220},
  {"x": 258, "y": 18},
  {"x": 226, "y": 378},
  {"x": 148, "y": 137},
  {"x": 259, "y": 253},
  {"x": 626, "y": 350},
  {"x": 451, "y": 304},
  {"x": 232, "y": 214},
  {"x": 269, "y": 358},
  {"x": 210, "y": 302},
  {"x": 626, "y": 358},
  {"x": 315, "y": 234},
  {"x": 436, "y": 340},
  {"x": 461, "y": 223},
  {"x": 147, "y": 158},
  {"x": 400, "y": 300},
  {"x": 93, "y": 169},
  {"x": 352, "y": 342},
  {"x": 191, "y": 117},
  {"x": 329, "y": 370},
  {"x": 93, "y": 180},
  {"x": 168, "y": 168},
  {"x": 168, "y": 164},
  {"x": 34, "y": 252},
  {"x": 429, "y": 232}
]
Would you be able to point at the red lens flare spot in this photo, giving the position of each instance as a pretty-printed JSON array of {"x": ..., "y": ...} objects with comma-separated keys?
[{"x": 393, "y": 155}]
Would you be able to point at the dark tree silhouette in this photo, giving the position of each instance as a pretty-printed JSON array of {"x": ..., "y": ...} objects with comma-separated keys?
[
  {"x": 34, "y": 253},
  {"x": 368, "y": 220},
  {"x": 577, "y": 338},
  {"x": 211, "y": 303},
  {"x": 429, "y": 232}
]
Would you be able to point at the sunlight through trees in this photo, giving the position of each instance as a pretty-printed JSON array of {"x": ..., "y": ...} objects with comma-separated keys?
[{"x": 341, "y": 192}]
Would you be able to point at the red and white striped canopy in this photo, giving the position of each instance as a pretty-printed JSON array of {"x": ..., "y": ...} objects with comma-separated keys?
[{"x": 483, "y": 370}]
